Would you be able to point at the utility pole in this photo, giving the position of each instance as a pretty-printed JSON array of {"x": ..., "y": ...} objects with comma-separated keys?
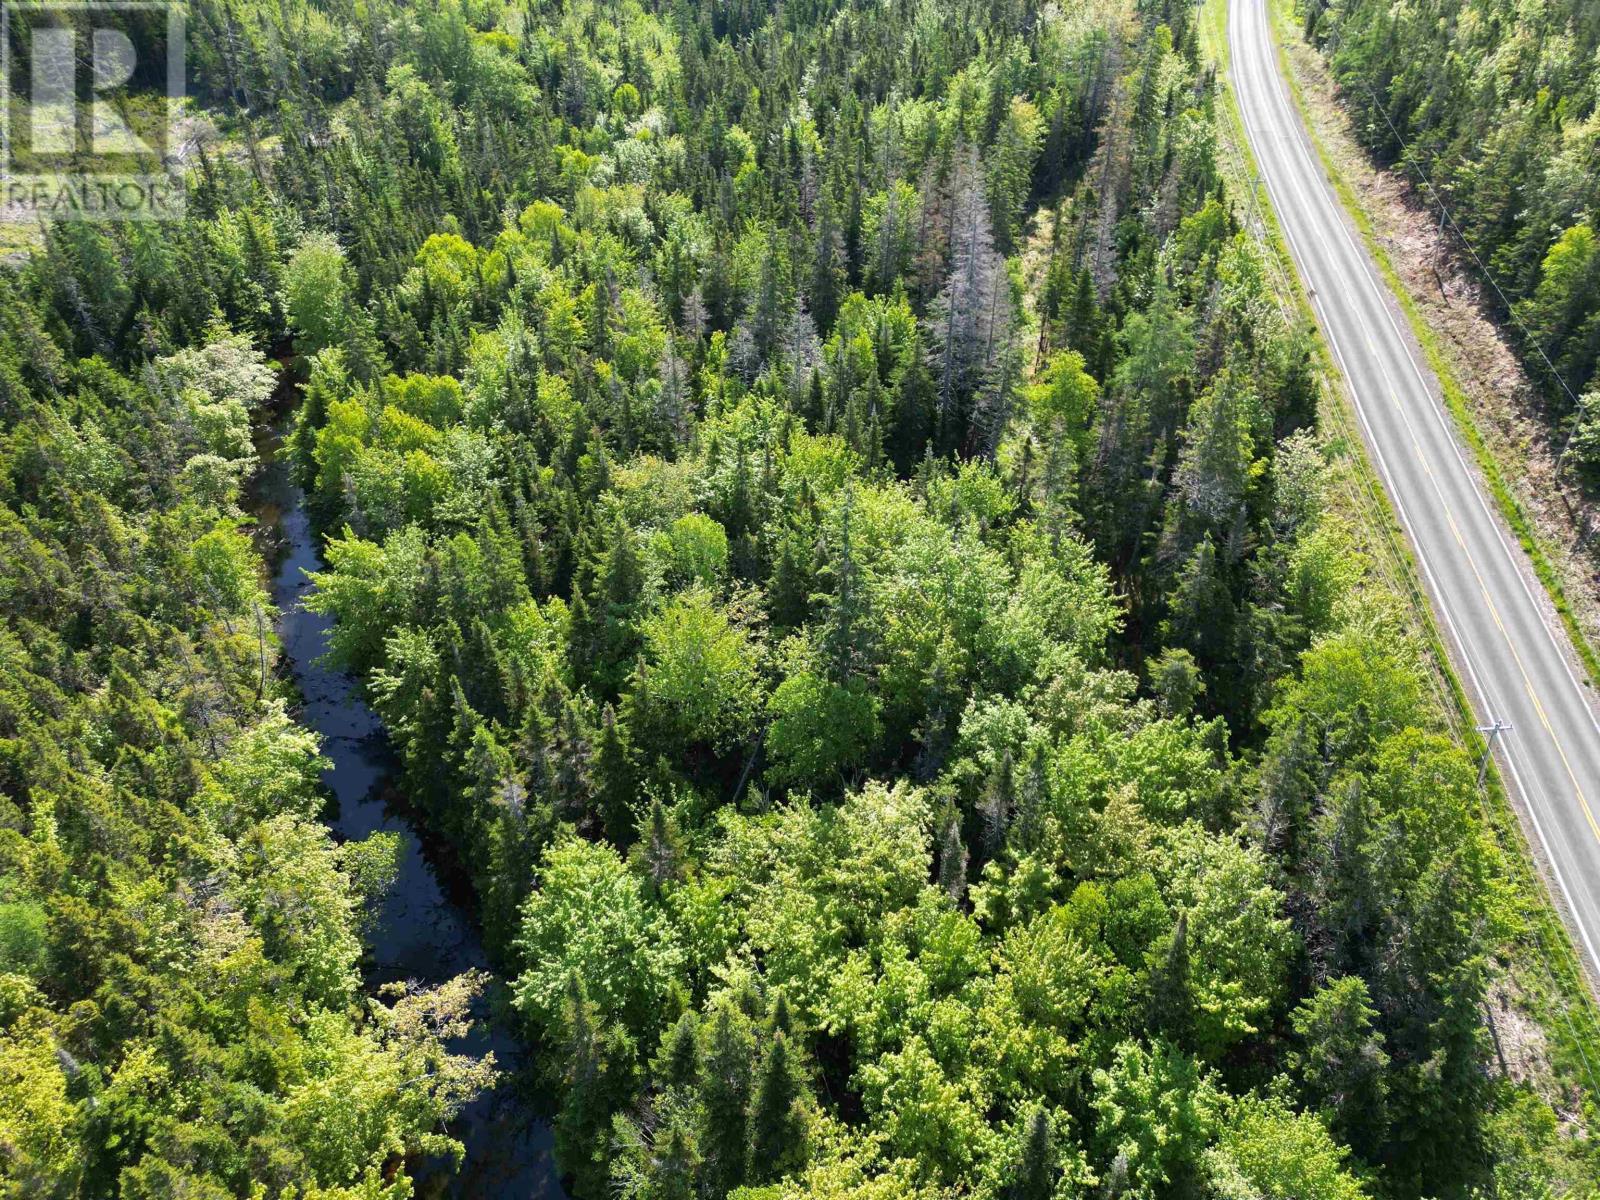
[
  {"x": 1494, "y": 731},
  {"x": 1438, "y": 257},
  {"x": 1577, "y": 425}
]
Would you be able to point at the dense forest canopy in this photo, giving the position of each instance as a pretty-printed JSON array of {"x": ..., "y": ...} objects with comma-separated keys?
[
  {"x": 1496, "y": 104},
  {"x": 828, "y": 509}
]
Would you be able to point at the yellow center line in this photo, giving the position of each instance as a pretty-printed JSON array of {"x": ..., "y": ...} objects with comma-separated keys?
[{"x": 1527, "y": 681}]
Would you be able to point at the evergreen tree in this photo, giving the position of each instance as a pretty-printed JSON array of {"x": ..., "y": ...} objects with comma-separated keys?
[
  {"x": 1342, "y": 1064},
  {"x": 679, "y": 1063},
  {"x": 725, "y": 1099},
  {"x": 676, "y": 1164},
  {"x": 1170, "y": 1001},
  {"x": 999, "y": 803},
  {"x": 598, "y": 1077},
  {"x": 777, "y": 1120},
  {"x": 613, "y": 779},
  {"x": 1037, "y": 1170},
  {"x": 827, "y": 271},
  {"x": 789, "y": 589},
  {"x": 846, "y": 614},
  {"x": 971, "y": 316},
  {"x": 660, "y": 850}
]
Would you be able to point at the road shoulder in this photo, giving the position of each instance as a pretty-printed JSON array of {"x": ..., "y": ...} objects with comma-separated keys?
[
  {"x": 1497, "y": 412},
  {"x": 1543, "y": 1000}
]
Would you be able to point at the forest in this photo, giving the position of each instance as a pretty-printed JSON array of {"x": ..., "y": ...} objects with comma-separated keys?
[
  {"x": 830, "y": 512},
  {"x": 1495, "y": 104}
]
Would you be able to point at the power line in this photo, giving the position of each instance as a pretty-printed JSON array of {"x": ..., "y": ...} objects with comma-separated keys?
[
  {"x": 1337, "y": 39},
  {"x": 1494, "y": 731},
  {"x": 1497, "y": 727},
  {"x": 1540, "y": 944}
]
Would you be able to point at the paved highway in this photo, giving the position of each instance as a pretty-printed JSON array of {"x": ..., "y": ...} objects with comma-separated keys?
[{"x": 1512, "y": 654}]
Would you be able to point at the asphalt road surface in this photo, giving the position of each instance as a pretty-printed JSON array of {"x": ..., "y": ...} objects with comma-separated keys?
[{"x": 1513, "y": 655}]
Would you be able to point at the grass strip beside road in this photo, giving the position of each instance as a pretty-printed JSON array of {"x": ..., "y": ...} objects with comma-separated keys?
[
  {"x": 1560, "y": 995},
  {"x": 1285, "y": 25}
]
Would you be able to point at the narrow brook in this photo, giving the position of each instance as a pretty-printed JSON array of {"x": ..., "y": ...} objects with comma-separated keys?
[{"x": 425, "y": 931}]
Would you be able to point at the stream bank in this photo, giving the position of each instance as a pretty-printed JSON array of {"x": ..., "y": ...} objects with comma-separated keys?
[{"x": 425, "y": 930}]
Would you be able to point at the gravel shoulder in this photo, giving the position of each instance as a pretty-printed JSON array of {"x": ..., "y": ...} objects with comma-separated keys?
[{"x": 1510, "y": 416}]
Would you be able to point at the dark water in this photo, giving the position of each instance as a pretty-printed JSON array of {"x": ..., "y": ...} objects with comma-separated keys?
[{"x": 425, "y": 930}]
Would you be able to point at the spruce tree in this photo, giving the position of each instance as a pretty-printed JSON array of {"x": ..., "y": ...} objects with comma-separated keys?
[
  {"x": 613, "y": 779},
  {"x": 598, "y": 1077},
  {"x": 620, "y": 585},
  {"x": 570, "y": 757},
  {"x": 1171, "y": 1008},
  {"x": 674, "y": 1164},
  {"x": 777, "y": 1121},
  {"x": 788, "y": 589},
  {"x": 1033, "y": 797},
  {"x": 725, "y": 1099},
  {"x": 782, "y": 1020},
  {"x": 659, "y": 852},
  {"x": 679, "y": 1063},
  {"x": 1037, "y": 1169}
]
